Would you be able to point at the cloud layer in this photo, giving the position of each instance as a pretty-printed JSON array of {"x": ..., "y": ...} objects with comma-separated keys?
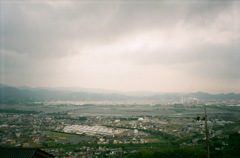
[{"x": 166, "y": 46}]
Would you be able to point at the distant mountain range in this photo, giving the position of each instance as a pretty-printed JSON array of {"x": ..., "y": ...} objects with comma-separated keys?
[
  {"x": 8, "y": 93},
  {"x": 49, "y": 94}
]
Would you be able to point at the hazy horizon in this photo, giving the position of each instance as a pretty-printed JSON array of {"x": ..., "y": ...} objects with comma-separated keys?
[
  {"x": 112, "y": 91},
  {"x": 127, "y": 46}
]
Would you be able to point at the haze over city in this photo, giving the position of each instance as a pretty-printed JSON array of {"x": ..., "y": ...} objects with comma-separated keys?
[{"x": 159, "y": 46}]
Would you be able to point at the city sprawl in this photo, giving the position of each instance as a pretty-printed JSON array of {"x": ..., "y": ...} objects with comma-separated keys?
[{"x": 99, "y": 129}]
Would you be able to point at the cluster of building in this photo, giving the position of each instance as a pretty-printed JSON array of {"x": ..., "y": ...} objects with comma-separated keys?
[
  {"x": 24, "y": 130},
  {"x": 83, "y": 152}
]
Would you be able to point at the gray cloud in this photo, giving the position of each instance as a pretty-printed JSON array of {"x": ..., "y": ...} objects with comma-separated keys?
[
  {"x": 42, "y": 29},
  {"x": 45, "y": 40}
]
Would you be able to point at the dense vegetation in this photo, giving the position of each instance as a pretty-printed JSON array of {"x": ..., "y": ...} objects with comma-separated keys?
[
  {"x": 169, "y": 153},
  {"x": 231, "y": 150}
]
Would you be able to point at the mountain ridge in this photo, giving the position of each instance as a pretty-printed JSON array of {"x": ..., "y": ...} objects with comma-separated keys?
[{"x": 53, "y": 94}]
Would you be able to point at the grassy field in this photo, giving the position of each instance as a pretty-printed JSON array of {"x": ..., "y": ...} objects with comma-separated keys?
[
  {"x": 156, "y": 140},
  {"x": 175, "y": 127},
  {"x": 59, "y": 135}
]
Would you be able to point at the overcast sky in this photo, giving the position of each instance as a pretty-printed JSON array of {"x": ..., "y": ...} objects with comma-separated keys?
[{"x": 160, "y": 46}]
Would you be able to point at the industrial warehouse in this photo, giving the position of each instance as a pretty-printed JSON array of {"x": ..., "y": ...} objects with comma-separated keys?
[{"x": 93, "y": 130}]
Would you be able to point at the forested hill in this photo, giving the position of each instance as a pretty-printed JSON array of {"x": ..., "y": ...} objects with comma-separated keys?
[
  {"x": 50, "y": 95},
  {"x": 10, "y": 93}
]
